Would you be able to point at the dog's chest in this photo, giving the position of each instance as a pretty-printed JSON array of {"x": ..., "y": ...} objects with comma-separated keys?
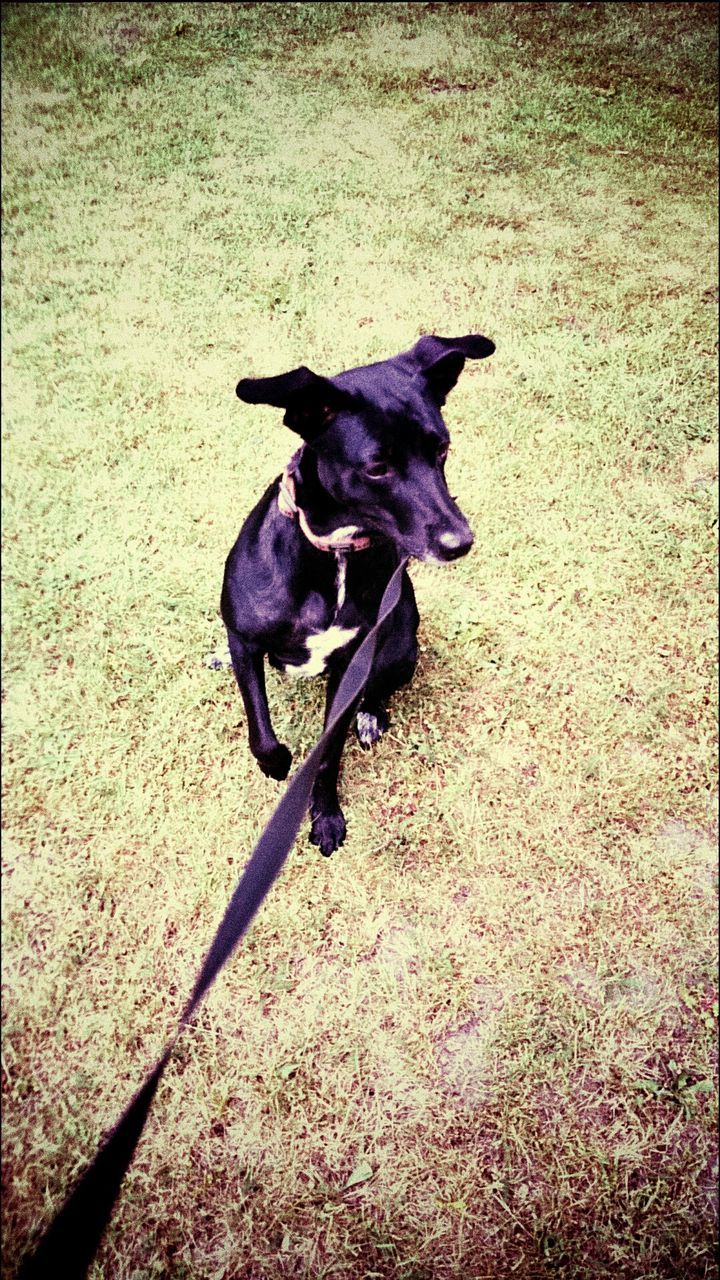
[{"x": 319, "y": 632}]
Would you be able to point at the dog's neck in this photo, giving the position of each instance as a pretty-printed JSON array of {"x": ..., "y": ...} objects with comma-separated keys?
[{"x": 321, "y": 519}]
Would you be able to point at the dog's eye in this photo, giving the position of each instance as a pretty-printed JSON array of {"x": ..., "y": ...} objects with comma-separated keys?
[{"x": 377, "y": 470}]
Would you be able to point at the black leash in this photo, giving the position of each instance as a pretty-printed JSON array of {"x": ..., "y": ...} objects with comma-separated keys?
[{"x": 71, "y": 1241}]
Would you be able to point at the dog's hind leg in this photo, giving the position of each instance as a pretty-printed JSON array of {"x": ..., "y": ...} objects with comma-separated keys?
[
  {"x": 248, "y": 664},
  {"x": 371, "y": 722},
  {"x": 372, "y": 718},
  {"x": 394, "y": 666}
]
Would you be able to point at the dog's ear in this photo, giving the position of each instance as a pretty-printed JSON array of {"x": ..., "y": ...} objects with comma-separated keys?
[
  {"x": 441, "y": 360},
  {"x": 310, "y": 402}
]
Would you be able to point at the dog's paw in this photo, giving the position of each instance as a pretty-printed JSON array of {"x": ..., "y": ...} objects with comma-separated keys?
[
  {"x": 219, "y": 660},
  {"x": 328, "y": 832},
  {"x": 370, "y": 727},
  {"x": 276, "y": 763}
]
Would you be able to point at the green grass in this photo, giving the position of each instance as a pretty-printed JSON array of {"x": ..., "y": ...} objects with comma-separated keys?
[{"x": 480, "y": 1041}]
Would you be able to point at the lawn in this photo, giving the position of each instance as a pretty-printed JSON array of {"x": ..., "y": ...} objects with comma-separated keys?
[{"x": 480, "y": 1041}]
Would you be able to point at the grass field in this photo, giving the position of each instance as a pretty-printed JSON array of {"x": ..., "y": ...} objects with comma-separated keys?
[{"x": 479, "y": 1042}]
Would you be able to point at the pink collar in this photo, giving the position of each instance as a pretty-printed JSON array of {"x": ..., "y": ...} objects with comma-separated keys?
[{"x": 345, "y": 539}]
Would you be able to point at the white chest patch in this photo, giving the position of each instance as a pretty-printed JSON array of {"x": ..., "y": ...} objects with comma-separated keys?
[
  {"x": 341, "y": 561},
  {"x": 320, "y": 646}
]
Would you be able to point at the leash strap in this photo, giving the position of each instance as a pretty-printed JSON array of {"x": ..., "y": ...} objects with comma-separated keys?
[{"x": 71, "y": 1241}]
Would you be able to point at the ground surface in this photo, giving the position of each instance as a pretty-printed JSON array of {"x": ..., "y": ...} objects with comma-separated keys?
[{"x": 479, "y": 1042}]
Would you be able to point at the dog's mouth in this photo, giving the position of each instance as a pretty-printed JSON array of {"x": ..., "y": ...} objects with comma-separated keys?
[
  {"x": 436, "y": 543},
  {"x": 441, "y": 556}
]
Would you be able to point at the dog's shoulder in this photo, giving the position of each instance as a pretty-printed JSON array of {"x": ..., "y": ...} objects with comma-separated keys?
[{"x": 256, "y": 582}]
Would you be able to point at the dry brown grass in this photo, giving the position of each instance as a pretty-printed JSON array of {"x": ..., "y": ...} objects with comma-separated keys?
[{"x": 477, "y": 1042}]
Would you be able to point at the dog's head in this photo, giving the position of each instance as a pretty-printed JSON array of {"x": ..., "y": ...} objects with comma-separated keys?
[{"x": 380, "y": 440}]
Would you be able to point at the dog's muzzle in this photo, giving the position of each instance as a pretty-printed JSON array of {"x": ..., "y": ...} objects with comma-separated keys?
[{"x": 454, "y": 545}]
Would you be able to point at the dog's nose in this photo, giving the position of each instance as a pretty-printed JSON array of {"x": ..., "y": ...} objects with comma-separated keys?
[{"x": 455, "y": 545}]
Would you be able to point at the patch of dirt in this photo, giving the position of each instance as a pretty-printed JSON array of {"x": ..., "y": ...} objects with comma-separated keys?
[
  {"x": 124, "y": 36},
  {"x": 396, "y": 951},
  {"x": 708, "y": 1187},
  {"x": 399, "y": 1092},
  {"x": 706, "y": 878},
  {"x": 440, "y": 85},
  {"x": 499, "y": 223},
  {"x": 680, "y": 843},
  {"x": 585, "y": 985},
  {"x": 488, "y": 999},
  {"x": 639, "y": 990},
  {"x": 675, "y": 837},
  {"x": 464, "y": 1056},
  {"x": 701, "y": 468}
]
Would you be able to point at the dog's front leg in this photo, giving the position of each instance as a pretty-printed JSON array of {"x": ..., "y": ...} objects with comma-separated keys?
[
  {"x": 328, "y": 822},
  {"x": 248, "y": 664}
]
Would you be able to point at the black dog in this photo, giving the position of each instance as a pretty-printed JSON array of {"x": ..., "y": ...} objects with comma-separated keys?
[{"x": 304, "y": 580}]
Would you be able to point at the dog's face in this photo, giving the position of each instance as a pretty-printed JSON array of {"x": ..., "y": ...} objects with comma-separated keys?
[{"x": 381, "y": 443}]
